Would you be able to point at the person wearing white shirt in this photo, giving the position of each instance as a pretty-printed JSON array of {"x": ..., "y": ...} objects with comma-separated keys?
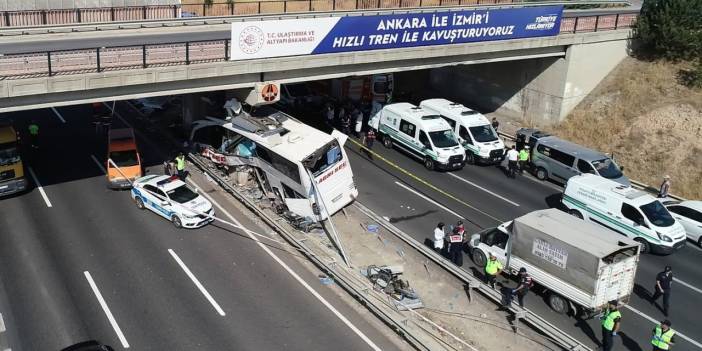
[
  {"x": 439, "y": 237},
  {"x": 512, "y": 158}
]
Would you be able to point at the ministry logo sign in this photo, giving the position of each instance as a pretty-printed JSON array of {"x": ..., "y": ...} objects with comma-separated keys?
[{"x": 251, "y": 39}]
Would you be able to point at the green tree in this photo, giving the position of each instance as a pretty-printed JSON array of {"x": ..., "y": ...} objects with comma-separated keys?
[{"x": 670, "y": 29}]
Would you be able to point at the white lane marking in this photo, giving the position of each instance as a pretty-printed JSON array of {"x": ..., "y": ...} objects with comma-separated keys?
[
  {"x": 688, "y": 285},
  {"x": 58, "y": 114},
  {"x": 430, "y": 200},
  {"x": 197, "y": 283},
  {"x": 654, "y": 321},
  {"x": 110, "y": 317},
  {"x": 483, "y": 189},
  {"x": 41, "y": 189},
  {"x": 314, "y": 293},
  {"x": 2, "y": 324},
  {"x": 102, "y": 168}
]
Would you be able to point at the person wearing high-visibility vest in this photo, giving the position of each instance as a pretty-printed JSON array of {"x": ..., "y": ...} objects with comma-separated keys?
[
  {"x": 33, "y": 129},
  {"x": 493, "y": 267},
  {"x": 180, "y": 166},
  {"x": 611, "y": 319},
  {"x": 663, "y": 336},
  {"x": 523, "y": 159}
]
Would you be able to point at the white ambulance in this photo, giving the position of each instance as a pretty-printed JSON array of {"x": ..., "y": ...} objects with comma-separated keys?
[
  {"x": 625, "y": 210},
  {"x": 474, "y": 131},
  {"x": 422, "y": 134}
]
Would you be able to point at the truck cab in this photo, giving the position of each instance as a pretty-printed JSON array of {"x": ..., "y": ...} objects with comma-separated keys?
[{"x": 12, "y": 179}]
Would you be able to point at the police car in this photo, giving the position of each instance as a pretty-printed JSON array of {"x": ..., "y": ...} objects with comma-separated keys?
[{"x": 172, "y": 199}]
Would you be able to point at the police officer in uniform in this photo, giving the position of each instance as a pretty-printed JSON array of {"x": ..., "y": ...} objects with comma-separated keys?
[
  {"x": 611, "y": 319},
  {"x": 523, "y": 159},
  {"x": 455, "y": 245},
  {"x": 180, "y": 166},
  {"x": 663, "y": 336},
  {"x": 493, "y": 267}
]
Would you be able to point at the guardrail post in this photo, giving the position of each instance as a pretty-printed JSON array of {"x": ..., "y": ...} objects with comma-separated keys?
[
  {"x": 79, "y": 16},
  {"x": 143, "y": 55},
  {"x": 43, "y": 16},
  {"x": 333, "y": 6},
  {"x": 112, "y": 14},
  {"x": 175, "y": 11},
  {"x": 575, "y": 26},
  {"x": 310, "y": 7},
  {"x": 226, "y": 49},
  {"x": 7, "y": 19},
  {"x": 48, "y": 60},
  {"x": 285, "y": 6},
  {"x": 204, "y": 8},
  {"x": 259, "y": 7},
  {"x": 97, "y": 57},
  {"x": 597, "y": 22},
  {"x": 187, "y": 52},
  {"x": 616, "y": 22},
  {"x": 143, "y": 12}
]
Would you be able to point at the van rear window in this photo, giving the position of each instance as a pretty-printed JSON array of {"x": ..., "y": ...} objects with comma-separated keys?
[{"x": 126, "y": 158}]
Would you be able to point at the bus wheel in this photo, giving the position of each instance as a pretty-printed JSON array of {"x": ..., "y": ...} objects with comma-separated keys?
[
  {"x": 576, "y": 213},
  {"x": 645, "y": 246},
  {"x": 387, "y": 142},
  {"x": 428, "y": 163},
  {"x": 470, "y": 159},
  {"x": 558, "y": 303}
]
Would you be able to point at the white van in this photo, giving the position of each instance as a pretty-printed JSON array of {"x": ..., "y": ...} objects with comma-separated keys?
[
  {"x": 625, "y": 210},
  {"x": 422, "y": 134},
  {"x": 474, "y": 131}
]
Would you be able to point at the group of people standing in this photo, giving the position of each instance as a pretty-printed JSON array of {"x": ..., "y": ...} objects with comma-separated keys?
[{"x": 450, "y": 244}]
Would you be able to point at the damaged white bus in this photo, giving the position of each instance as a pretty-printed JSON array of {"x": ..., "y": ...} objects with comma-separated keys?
[{"x": 286, "y": 156}]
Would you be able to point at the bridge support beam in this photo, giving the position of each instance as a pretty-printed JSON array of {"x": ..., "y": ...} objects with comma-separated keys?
[{"x": 539, "y": 91}]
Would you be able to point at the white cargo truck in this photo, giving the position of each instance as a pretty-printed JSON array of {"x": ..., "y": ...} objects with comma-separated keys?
[{"x": 580, "y": 265}]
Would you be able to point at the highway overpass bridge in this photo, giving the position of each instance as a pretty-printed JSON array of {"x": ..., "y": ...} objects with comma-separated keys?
[{"x": 543, "y": 77}]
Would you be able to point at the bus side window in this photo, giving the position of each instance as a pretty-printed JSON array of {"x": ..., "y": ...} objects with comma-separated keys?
[
  {"x": 290, "y": 193},
  {"x": 408, "y": 128}
]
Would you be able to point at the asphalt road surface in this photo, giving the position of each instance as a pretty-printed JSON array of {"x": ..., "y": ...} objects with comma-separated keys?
[
  {"x": 81, "y": 262},
  {"x": 484, "y": 197}
]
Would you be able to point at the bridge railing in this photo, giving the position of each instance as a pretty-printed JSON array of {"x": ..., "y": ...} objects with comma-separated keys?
[
  {"x": 51, "y": 63},
  {"x": 28, "y": 18}
]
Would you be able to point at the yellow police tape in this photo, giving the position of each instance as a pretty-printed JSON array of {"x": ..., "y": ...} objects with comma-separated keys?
[{"x": 426, "y": 183}]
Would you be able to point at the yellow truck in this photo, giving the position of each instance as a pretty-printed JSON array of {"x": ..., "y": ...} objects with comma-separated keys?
[{"x": 12, "y": 178}]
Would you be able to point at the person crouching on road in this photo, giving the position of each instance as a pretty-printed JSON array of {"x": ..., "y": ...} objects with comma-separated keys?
[
  {"x": 663, "y": 336},
  {"x": 611, "y": 319},
  {"x": 439, "y": 237},
  {"x": 493, "y": 267}
]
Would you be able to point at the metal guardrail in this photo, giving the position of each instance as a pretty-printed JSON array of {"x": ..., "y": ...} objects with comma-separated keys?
[
  {"x": 49, "y": 17},
  {"x": 637, "y": 184},
  {"x": 50, "y": 63},
  {"x": 560, "y": 337}
]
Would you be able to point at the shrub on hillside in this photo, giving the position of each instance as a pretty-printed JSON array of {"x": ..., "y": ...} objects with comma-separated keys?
[{"x": 670, "y": 29}]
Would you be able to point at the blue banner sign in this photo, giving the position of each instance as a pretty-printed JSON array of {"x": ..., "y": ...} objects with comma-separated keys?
[{"x": 361, "y": 33}]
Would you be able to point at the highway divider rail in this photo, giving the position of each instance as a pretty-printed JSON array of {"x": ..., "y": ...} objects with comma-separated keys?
[{"x": 52, "y": 17}]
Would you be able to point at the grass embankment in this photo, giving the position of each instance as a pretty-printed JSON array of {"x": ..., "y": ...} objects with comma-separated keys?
[{"x": 649, "y": 120}]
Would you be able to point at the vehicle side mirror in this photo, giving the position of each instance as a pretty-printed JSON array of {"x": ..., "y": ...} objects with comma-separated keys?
[{"x": 164, "y": 203}]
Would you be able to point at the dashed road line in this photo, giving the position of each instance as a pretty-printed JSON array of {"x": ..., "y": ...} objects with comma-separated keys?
[
  {"x": 105, "y": 308},
  {"x": 654, "y": 321},
  {"x": 430, "y": 200},
  {"x": 197, "y": 283},
  {"x": 287, "y": 268},
  {"x": 425, "y": 183},
  {"x": 39, "y": 187},
  {"x": 483, "y": 189},
  {"x": 687, "y": 285},
  {"x": 58, "y": 114},
  {"x": 102, "y": 168}
]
